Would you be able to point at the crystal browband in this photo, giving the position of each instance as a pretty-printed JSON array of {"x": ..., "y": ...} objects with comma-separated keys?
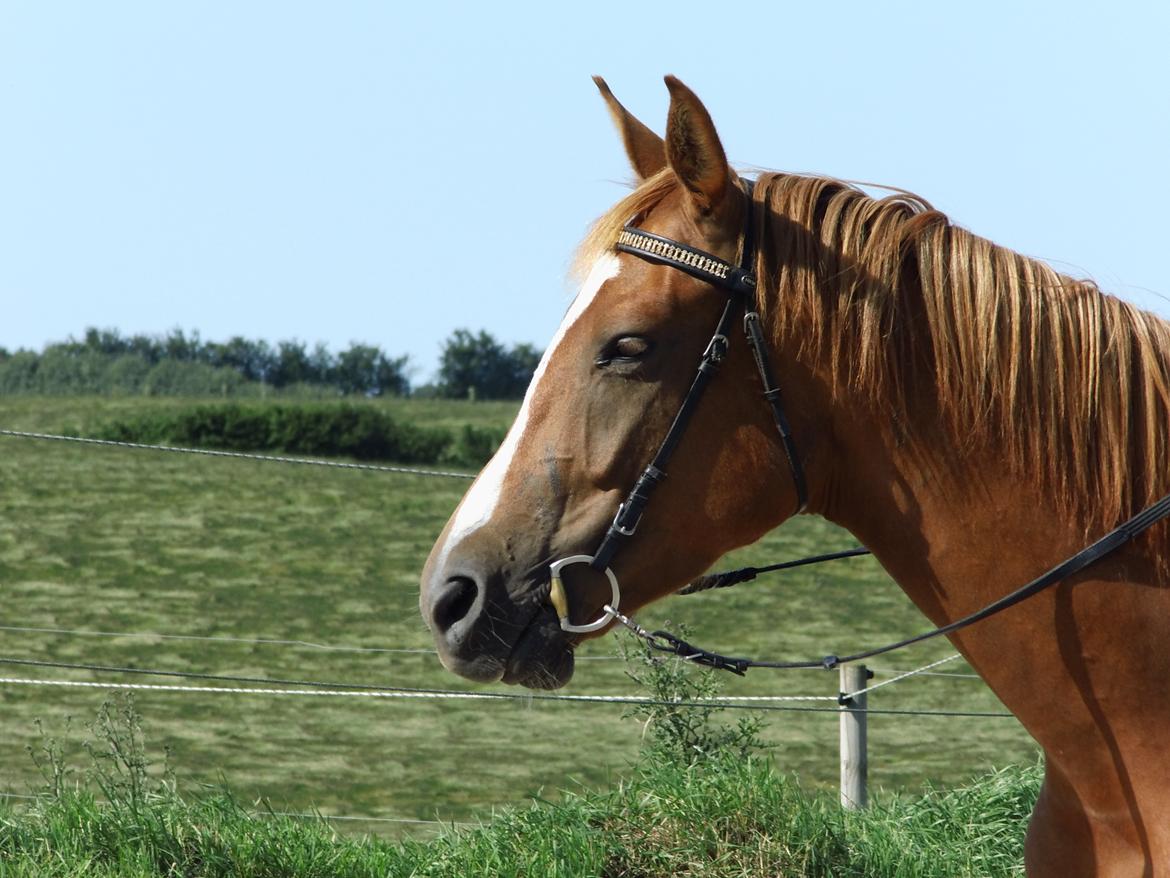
[
  {"x": 693, "y": 261},
  {"x": 673, "y": 252}
]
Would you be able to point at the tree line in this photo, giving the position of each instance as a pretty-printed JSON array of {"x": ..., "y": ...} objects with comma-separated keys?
[{"x": 104, "y": 361}]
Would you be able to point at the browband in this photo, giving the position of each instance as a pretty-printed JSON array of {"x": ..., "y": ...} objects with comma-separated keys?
[{"x": 691, "y": 260}]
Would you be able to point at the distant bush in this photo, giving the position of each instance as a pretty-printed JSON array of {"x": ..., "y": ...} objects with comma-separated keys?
[
  {"x": 473, "y": 445},
  {"x": 176, "y": 378},
  {"x": 18, "y": 373},
  {"x": 331, "y": 429},
  {"x": 127, "y": 373}
]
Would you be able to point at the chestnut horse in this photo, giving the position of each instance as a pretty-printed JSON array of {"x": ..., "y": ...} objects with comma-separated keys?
[{"x": 970, "y": 415}]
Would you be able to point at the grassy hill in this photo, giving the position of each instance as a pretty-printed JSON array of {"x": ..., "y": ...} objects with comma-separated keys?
[{"x": 136, "y": 548}]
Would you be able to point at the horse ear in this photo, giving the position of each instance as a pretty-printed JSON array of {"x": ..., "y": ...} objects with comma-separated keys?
[
  {"x": 645, "y": 149},
  {"x": 693, "y": 148}
]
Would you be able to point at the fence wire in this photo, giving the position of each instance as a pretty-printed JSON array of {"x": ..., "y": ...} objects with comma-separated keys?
[
  {"x": 241, "y": 455},
  {"x": 359, "y": 687},
  {"x": 495, "y": 696}
]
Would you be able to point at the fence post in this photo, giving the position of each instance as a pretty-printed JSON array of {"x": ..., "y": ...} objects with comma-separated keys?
[{"x": 854, "y": 757}]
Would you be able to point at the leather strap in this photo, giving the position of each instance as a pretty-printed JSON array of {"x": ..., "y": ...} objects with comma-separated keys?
[
  {"x": 630, "y": 511},
  {"x": 1111, "y": 542},
  {"x": 755, "y": 337},
  {"x": 740, "y": 284},
  {"x": 691, "y": 260}
]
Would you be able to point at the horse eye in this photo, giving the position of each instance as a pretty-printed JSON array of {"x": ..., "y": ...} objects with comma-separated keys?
[
  {"x": 629, "y": 347},
  {"x": 624, "y": 351}
]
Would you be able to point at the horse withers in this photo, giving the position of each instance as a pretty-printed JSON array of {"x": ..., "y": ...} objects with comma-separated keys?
[{"x": 969, "y": 414}]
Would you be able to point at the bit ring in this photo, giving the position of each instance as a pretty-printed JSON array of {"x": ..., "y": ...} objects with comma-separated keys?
[{"x": 558, "y": 599}]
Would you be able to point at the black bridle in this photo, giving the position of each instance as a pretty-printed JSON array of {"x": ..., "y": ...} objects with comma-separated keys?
[{"x": 739, "y": 282}]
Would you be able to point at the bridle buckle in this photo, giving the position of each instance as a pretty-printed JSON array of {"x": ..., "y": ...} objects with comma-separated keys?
[
  {"x": 624, "y": 530},
  {"x": 717, "y": 349}
]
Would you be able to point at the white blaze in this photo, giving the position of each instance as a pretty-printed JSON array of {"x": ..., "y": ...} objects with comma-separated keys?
[{"x": 480, "y": 502}]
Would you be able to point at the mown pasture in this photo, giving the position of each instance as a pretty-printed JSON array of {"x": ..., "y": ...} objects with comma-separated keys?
[{"x": 143, "y": 543}]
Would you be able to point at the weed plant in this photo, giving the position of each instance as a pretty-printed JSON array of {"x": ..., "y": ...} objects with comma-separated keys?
[{"x": 675, "y": 729}]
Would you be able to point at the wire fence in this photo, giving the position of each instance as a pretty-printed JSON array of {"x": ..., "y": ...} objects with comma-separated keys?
[
  {"x": 736, "y": 704},
  {"x": 296, "y": 687},
  {"x": 240, "y": 455},
  {"x": 207, "y": 684},
  {"x": 767, "y": 703}
]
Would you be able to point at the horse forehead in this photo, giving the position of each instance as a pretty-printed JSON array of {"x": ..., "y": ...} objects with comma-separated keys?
[
  {"x": 621, "y": 292},
  {"x": 604, "y": 269},
  {"x": 479, "y": 504}
]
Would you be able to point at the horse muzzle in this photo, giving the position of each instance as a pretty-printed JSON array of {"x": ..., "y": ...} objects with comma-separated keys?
[{"x": 488, "y": 629}]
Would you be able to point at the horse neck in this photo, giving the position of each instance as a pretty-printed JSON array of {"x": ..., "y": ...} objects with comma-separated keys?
[{"x": 949, "y": 522}]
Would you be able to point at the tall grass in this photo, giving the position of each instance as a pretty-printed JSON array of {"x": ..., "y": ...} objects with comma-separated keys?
[
  {"x": 726, "y": 818},
  {"x": 728, "y": 814}
]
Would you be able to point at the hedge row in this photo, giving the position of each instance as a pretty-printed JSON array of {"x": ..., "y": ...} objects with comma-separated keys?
[{"x": 341, "y": 429}]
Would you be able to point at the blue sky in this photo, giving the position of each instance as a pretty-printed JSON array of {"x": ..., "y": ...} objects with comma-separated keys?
[{"x": 388, "y": 172}]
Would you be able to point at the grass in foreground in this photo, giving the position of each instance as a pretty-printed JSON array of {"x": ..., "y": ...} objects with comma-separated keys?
[
  {"x": 721, "y": 818},
  {"x": 699, "y": 802}
]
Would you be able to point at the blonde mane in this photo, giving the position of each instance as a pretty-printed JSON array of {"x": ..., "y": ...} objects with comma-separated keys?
[
  {"x": 603, "y": 234},
  {"x": 1070, "y": 385}
]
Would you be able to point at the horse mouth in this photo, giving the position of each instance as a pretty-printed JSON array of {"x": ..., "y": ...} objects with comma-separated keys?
[{"x": 542, "y": 656}]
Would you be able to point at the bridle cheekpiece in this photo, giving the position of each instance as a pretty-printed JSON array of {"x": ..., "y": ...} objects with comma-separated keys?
[{"x": 739, "y": 282}]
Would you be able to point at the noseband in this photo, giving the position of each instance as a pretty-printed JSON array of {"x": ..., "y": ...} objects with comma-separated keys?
[{"x": 739, "y": 282}]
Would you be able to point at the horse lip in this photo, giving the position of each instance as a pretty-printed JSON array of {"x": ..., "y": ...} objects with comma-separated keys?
[
  {"x": 479, "y": 669},
  {"x": 540, "y": 641}
]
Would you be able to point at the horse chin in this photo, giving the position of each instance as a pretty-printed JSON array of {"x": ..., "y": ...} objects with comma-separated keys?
[{"x": 542, "y": 657}]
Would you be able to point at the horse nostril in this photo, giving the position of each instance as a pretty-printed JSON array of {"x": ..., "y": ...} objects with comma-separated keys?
[{"x": 454, "y": 602}]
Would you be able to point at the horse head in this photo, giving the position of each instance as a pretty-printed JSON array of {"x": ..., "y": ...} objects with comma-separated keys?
[
  {"x": 604, "y": 395},
  {"x": 969, "y": 414}
]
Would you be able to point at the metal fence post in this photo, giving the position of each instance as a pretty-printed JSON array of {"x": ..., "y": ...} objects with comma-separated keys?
[{"x": 854, "y": 757}]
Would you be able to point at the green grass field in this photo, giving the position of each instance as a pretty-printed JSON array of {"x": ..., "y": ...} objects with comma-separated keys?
[
  {"x": 143, "y": 543},
  {"x": 724, "y": 818}
]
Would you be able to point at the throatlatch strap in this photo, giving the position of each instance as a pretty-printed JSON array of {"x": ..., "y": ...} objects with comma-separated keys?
[
  {"x": 728, "y": 578},
  {"x": 755, "y": 337}
]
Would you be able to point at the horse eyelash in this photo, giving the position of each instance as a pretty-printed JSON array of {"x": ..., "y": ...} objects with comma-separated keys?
[{"x": 611, "y": 353}]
